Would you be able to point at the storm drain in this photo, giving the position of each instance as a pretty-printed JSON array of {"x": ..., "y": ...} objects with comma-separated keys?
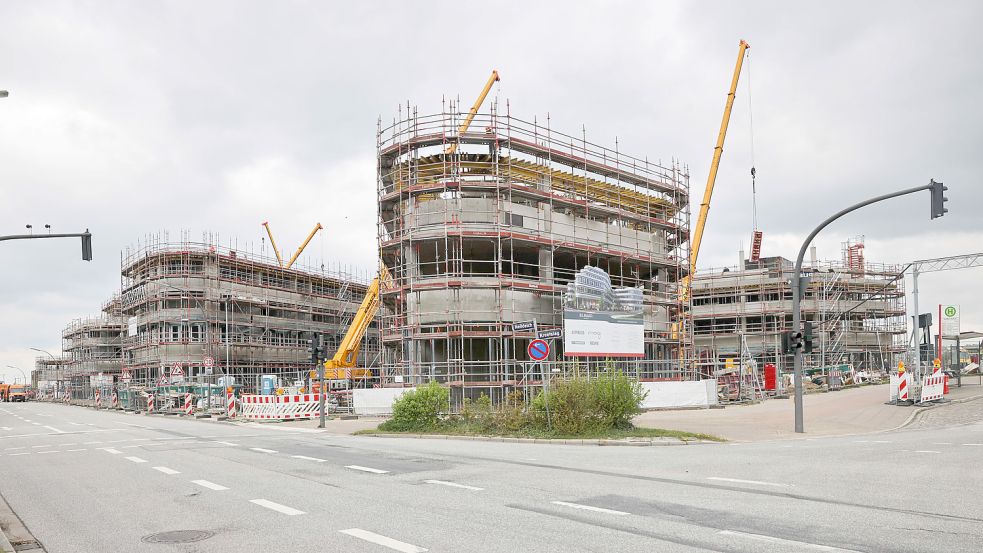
[{"x": 178, "y": 536}]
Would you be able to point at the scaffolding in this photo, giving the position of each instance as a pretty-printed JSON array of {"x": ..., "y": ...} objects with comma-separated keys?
[
  {"x": 225, "y": 311},
  {"x": 857, "y": 309},
  {"x": 490, "y": 235}
]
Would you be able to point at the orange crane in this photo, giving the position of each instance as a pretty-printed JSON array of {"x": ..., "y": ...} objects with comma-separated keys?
[
  {"x": 474, "y": 110},
  {"x": 341, "y": 365},
  {"x": 718, "y": 151},
  {"x": 300, "y": 250}
]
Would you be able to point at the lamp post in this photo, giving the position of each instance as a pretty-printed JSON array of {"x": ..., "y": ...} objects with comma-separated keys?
[
  {"x": 21, "y": 372},
  {"x": 58, "y": 369}
]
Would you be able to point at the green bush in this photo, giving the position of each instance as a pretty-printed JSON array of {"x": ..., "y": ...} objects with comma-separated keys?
[
  {"x": 619, "y": 398},
  {"x": 579, "y": 406},
  {"x": 477, "y": 415},
  {"x": 418, "y": 410}
]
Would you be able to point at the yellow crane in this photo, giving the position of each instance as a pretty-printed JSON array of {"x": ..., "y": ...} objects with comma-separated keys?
[
  {"x": 341, "y": 366},
  {"x": 474, "y": 110},
  {"x": 718, "y": 150},
  {"x": 300, "y": 250}
]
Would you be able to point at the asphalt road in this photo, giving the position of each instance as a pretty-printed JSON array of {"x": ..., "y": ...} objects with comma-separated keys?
[{"x": 82, "y": 480}]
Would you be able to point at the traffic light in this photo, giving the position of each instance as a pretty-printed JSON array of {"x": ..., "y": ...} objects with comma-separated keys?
[
  {"x": 807, "y": 337},
  {"x": 938, "y": 199},
  {"x": 314, "y": 348},
  {"x": 792, "y": 341},
  {"x": 86, "y": 246}
]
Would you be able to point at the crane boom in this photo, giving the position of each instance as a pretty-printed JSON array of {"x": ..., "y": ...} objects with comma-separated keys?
[
  {"x": 269, "y": 233},
  {"x": 300, "y": 250},
  {"x": 718, "y": 150},
  {"x": 474, "y": 110},
  {"x": 339, "y": 366}
]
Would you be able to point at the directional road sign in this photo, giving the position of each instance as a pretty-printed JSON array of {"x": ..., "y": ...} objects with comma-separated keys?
[
  {"x": 548, "y": 334},
  {"x": 538, "y": 350},
  {"x": 523, "y": 326}
]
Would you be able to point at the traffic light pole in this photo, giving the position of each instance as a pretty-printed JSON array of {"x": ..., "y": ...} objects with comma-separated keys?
[
  {"x": 938, "y": 210},
  {"x": 85, "y": 236}
]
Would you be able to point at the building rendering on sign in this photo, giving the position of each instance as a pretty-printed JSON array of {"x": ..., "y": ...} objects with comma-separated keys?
[
  {"x": 601, "y": 320},
  {"x": 494, "y": 230}
]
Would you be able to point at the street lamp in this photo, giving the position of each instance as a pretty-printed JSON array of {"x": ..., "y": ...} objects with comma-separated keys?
[
  {"x": 57, "y": 369},
  {"x": 21, "y": 372}
]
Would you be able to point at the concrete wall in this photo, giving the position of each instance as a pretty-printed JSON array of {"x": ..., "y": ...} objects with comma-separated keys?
[
  {"x": 376, "y": 401},
  {"x": 699, "y": 393}
]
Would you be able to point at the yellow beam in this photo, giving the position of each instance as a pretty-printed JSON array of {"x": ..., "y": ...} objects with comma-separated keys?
[
  {"x": 300, "y": 250},
  {"x": 347, "y": 354},
  {"x": 718, "y": 150},
  {"x": 269, "y": 233},
  {"x": 474, "y": 110}
]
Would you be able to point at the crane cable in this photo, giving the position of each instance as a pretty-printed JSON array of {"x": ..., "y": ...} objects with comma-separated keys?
[{"x": 754, "y": 190}]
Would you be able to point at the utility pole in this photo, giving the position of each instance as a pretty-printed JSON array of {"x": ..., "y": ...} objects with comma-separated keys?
[
  {"x": 85, "y": 236},
  {"x": 938, "y": 209}
]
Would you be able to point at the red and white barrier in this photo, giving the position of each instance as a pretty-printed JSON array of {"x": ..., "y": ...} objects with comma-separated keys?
[
  {"x": 230, "y": 404},
  {"x": 66, "y": 397},
  {"x": 903, "y": 387},
  {"x": 150, "y": 403},
  {"x": 933, "y": 387},
  {"x": 98, "y": 399},
  {"x": 189, "y": 403},
  {"x": 292, "y": 407},
  {"x": 115, "y": 399}
]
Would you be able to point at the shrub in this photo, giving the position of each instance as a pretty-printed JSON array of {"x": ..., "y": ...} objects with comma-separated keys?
[
  {"x": 619, "y": 398},
  {"x": 477, "y": 414},
  {"x": 511, "y": 415},
  {"x": 578, "y": 405},
  {"x": 418, "y": 410}
]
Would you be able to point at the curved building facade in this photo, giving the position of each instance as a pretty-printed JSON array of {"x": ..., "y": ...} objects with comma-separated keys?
[{"x": 493, "y": 233}]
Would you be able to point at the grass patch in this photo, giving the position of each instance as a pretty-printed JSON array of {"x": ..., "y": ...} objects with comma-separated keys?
[{"x": 449, "y": 428}]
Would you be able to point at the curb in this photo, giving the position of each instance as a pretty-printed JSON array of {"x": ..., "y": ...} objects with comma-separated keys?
[
  {"x": 636, "y": 442},
  {"x": 924, "y": 408},
  {"x": 13, "y": 531}
]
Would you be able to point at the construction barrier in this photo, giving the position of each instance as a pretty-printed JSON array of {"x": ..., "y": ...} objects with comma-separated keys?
[
  {"x": 285, "y": 407},
  {"x": 98, "y": 400},
  {"x": 67, "y": 397},
  {"x": 188, "y": 403},
  {"x": 150, "y": 403},
  {"x": 230, "y": 404},
  {"x": 933, "y": 387},
  {"x": 115, "y": 399}
]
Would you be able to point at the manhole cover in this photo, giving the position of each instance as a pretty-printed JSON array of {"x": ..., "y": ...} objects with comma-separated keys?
[{"x": 178, "y": 536}]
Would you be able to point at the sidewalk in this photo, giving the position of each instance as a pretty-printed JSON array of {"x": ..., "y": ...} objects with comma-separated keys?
[
  {"x": 853, "y": 411},
  {"x": 335, "y": 426}
]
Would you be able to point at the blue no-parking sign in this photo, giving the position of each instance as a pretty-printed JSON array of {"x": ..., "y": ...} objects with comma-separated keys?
[{"x": 538, "y": 350}]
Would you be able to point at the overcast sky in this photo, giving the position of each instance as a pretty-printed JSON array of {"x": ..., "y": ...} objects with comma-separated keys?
[{"x": 133, "y": 118}]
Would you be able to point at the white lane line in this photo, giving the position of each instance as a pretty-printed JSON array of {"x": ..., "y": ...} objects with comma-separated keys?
[
  {"x": 53, "y": 429},
  {"x": 972, "y": 444},
  {"x": 739, "y": 481},
  {"x": 926, "y": 451},
  {"x": 166, "y": 470},
  {"x": 48, "y": 451},
  {"x": 225, "y": 443},
  {"x": 881, "y": 441},
  {"x": 384, "y": 541},
  {"x": 209, "y": 485},
  {"x": 276, "y": 507},
  {"x": 261, "y": 450},
  {"x": 80, "y": 424},
  {"x": 129, "y": 446},
  {"x": 136, "y": 459},
  {"x": 366, "y": 469},
  {"x": 453, "y": 485},
  {"x": 91, "y": 443},
  {"x": 25, "y": 447},
  {"x": 111, "y": 450},
  {"x": 589, "y": 508},
  {"x": 941, "y": 443},
  {"x": 37, "y": 446},
  {"x": 306, "y": 458},
  {"x": 861, "y": 441},
  {"x": 797, "y": 545},
  {"x": 80, "y": 449},
  {"x": 26, "y": 420},
  {"x": 4, "y": 428},
  {"x": 66, "y": 445},
  {"x": 127, "y": 424},
  {"x": 16, "y": 454},
  {"x": 36, "y": 423}
]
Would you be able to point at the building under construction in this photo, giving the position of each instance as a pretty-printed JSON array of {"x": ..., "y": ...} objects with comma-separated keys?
[
  {"x": 857, "y": 311},
  {"x": 485, "y": 222},
  {"x": 217, "y": 310}
]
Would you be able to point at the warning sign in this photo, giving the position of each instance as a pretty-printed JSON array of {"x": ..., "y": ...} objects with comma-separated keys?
[{"x": 177, "y": 370}]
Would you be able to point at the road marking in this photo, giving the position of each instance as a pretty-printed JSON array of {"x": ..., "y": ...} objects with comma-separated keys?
[
  {"x": 792, "y": 543},
  {"x": 53, "y": 429},
  {"x": 26, "y": 420},
  {"x": 36, "y": 446},
  {"x": 166, "y": 470},
  {"x": 25, "y": 447},
  {"x": 306, "y": 458},
  {"x": 861, "y": 441},
  {"x": 80, "y": 424},
  {"x": 4, "y": 428},
  {"x": 129, "y": 446},
  {"x": 48, "y": 451},
  {"x": 127, "y": 424},
  {"x": 453, "y": 485},
  {"x": 276, "y": 507},
  {"x": 16, "y": 454},
  {"x": 972, "y": 444},
  {"x": 80, "y": 449},
  {"x": 379, "y": 539},
  {"x": 941, "y": 443},
  {"x": 90, "y": 443},
  {"x": 881, "y": 441},
  {"x": 66, "y": 445},
  {"x": 589, "y": 508},
  {"x": 111, "y": 450},
  {"x": 261, "y": 450},
  {"x": 225, "y": 443},
  {"x": 136, "y": 459},
  {"x": 209, "y": 485},
  {"x": 926, "y": 451},
  {"x": 739, "y": 481},
  {"x": 366, "y": 469},
  {"x": 36, "y": 423}
]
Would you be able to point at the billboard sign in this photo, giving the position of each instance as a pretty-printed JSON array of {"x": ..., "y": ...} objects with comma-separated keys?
[
  {"x": 950, "y": 320},
  {"x": 600, "y": 320}
]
